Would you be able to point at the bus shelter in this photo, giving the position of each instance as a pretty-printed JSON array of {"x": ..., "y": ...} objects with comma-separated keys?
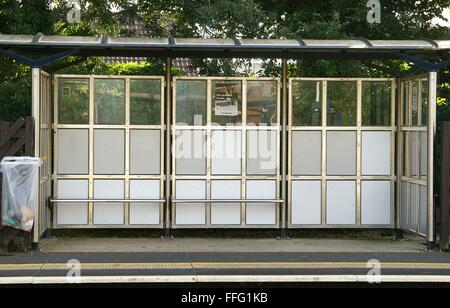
[{"x": 233, "y": 152}]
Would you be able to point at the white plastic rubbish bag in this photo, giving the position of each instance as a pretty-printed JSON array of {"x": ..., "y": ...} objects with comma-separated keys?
[{"x": 19, "y": 191}]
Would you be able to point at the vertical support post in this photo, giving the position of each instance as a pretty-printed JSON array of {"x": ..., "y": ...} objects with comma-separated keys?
[
  {"x": 35, "y": 112},
  {"x": 432, "y": 88},
  {"x": 168, "y": 127},
  {"x": 399, "y": 157},
  {"x": 445, "y": 184},
  {"x": 284, "y": 119}
]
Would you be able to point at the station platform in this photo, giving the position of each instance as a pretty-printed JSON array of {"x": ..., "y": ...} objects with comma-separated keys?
[{"x": 210, "y": 261}]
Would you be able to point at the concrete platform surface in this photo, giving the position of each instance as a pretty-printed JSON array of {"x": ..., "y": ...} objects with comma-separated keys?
[{"x": 82, "y": 244}]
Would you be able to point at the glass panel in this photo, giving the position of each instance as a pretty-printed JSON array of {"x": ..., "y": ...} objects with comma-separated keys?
[
  {"x": 191, "y": 102},
  {"x": 226, "y": 102},
  {"x": 262, "y": 102},
  {"x": 306, "y": 103},
  {"x": 424, "y": 108},
  {"x": 109, "y": 101},
  {"x": 376, "y": 103},
  {"x": 145, "y": 102},
  {"x": 341, "y": 102},
  {"x": 415, "y": 103},
  {"x": 405, "y": 100},
  {"x": 73, "y": 101}
]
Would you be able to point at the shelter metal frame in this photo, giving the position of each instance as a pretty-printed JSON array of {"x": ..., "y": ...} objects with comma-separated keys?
[
  {"x": 358, "y": 177},
  {"x": 126, "y": 177},
  {"x": 51, "y": 48},
  {"x": 406, "y": 129},
  {"x": 243, "y": 177}
]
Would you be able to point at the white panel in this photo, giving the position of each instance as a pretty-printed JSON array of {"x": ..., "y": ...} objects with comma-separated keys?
[
  {"x": 225, "y": 213},
  {"x": 190, "y": 148},
  {"x": 145, "y": 189},
  {"x": 413, "y": 207},
  {"x": 375, "y": 202},
  {"x": 413, "y": 152},
  {"x": 261, "y": 213},
  {"x": 109, "y": 151},
  {"x": 376, "y": 153},
  {"x": 73, "y": 152},
  {"x": 190, "y": 213},
  {"x": 341, "y": 202},
  {"x": 72, "y": 213},
  {"x": 423, "y": 153},
  {"x": 404, "y": 221},
  {"x": 306, "y": 153},
  {"x": 190, "y": 189},
  {"x": 423, "y": 209},
  {"x": 145, "y": 150},
  {"x": 226, "y": 152},
  {"x": 306, "y": 202},
  {"x": 341, "y": 153},
  {"x": 261, "y": 152},
  {"x": 144, "y": 213},
  {"x": 108, "y": 213}
]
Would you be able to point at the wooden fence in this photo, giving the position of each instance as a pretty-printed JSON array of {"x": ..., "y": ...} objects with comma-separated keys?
[
  {"x": 16, "y": 138},
  {"x": 445, "y": 186}
]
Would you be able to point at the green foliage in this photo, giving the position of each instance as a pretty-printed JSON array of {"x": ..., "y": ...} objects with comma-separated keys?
[
  {"x": 73, "y": 101},
  {"x": 326, "y": 19},
  {"x": 145, "y": 102}
]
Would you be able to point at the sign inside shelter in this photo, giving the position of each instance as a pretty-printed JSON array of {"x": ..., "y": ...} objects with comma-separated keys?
[{"x": 225, "y": 100}]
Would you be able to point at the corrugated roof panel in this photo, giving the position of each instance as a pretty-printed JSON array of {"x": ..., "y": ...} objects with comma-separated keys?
[
  {"x": 269, "y": 43},
  {"x": 334, "y": 44},
  {"x": 400, "y": 44},
  {"x": 204, "y": 42},
  {"x": 68, "y": 40},
  {"x": 137, "y": 41},
  {"x": 15, "y": 39}
]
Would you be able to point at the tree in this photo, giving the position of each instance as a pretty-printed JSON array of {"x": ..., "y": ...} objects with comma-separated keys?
[{"x": 326, "y": 19}]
